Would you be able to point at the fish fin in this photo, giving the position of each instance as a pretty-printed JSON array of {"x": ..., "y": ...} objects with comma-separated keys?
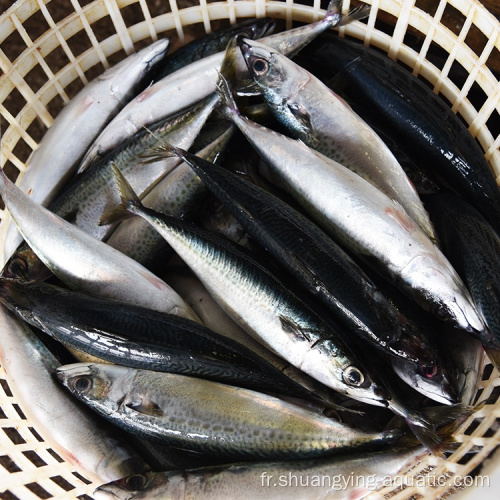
[
  {"x": 229, "y": 63},
  {"x": 146, "y": 407},
  {"x": 439, "y": 415},
  {"x": 357, "y": 14},
  {"x": 291, "y": 327},
  {"x": 303, "y": 118},
  {"x": 129, "y": 200},
  {"x": 247, "y": 88},
  {"x": 228, "y": 106},
  {"x": 494, "y": 356}
]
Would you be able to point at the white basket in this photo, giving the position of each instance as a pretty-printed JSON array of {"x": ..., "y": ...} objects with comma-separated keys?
[{"x": 38, "y": 80}]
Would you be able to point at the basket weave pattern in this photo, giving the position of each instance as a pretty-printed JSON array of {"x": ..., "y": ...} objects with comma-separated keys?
[{"x": 66, "y": 43}]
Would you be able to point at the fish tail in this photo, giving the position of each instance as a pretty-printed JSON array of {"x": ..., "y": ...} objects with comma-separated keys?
[
  {"x": 434, "y": 427},
  {"x": 494, "y": 355},
  {"x": 130, "y": 202},
  {"x": 356, "y": 14}
]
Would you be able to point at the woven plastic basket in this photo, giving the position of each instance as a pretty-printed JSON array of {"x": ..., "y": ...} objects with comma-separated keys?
[{"x": 50, "y": 49}]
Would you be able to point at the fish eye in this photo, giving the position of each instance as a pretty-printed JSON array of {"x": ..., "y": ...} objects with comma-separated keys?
[
  {"x": 428, "y": 371},
  {"x": 260, "y": 66},
  {"x": 353, "y": 376},
  {"x": 135, "y": 482},
  {"x": 83, "y": 384},
  {"x": 441, "y": 312}
]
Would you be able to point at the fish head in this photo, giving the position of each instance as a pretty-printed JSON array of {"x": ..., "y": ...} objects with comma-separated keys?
[
  {"x": 25, "y": 265},
  {"x": 443, "y": 293},
  {"x": 345, "y": 374},
  {"x": 434, "y": 382},
  {"x": 136, "y": 486},
  {"x": 98, "y": 385}
]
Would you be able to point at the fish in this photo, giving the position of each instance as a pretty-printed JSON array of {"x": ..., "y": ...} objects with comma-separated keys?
[
  {"x": 356, "y": 214},
  {"x": 199, "y": 79},
  {"x": 349, "y": 477},
  {"x": 178, "y": 193},
  {"x": 84, "y": 200},
  {"x": 76, "y": 434},
  {"x": 212, "y": 43},
  {"x": 473, "y": 247},
  {"x": 313, "y": 258},
  {"x": 55, "y": 160},
  {"x": 84, "y": 263},
  {"x": 210, "y": 417},
  {"x": 310, "y": 111},
  {"x": 279, "y": 319},
  {"x": 137, "y": 337},
  {"x": 393, "y": 100}
]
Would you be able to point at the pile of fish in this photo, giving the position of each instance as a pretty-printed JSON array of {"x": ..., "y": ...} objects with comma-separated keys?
[{"x": 245, "y": 280}]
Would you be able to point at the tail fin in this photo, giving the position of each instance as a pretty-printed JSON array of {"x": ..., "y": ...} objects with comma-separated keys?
[
  {"x": 357, "y": 14},
  {"x": 130, "y": 202}
]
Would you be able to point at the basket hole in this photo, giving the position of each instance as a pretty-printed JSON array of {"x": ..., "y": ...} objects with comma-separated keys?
[
  {"x": 7, "y": 495},
  {"x": 103, "y": 28},
  {"x": 488, "y": 370},
  {"x": 13, "y": 46},
  {"x": 473, "y": 426},
  {"x": 84, "y": 497},
  {"x": 493, "y": 429},
  {"x": 493, "y": 397},
  {"x": 493, "y": 124},
  {"x": 59, "y": 10},
  {"x": 3, "y": 382},
  {"x": 79, "y": 43},
  {"x": 36, "y": 435},
  {"x": 36, "y": 130},
  {"x": 94, "y": 71},
  {"x": 437, "y": 55},
  {"x": 158, "y": 7},
  {"x": 117, "y": 57},
  {"x": 81, "y": 478},
  {"x": 426, "y": 6},
  {"x": 55, "y": 105},
  {"x": 453, "y": 19},
  {"x": 19, "y": 411},
  {"x": 57, "y": 59},
  {"x": 55, "y": 455},
  {"x": 39, "y": 491},
  {"x": 477, "y": 96},
  {"x": 478, "y": 395},
  {"x": 386, "y": 23},
  {"x": 34, "y": 458},
  {"x": 14, "y": 102},
  {"x": 493, "y": 61},
  {"x": 9, "y": 465},
  {"x": 36, "y": 78},
  {"x": 466, "y": 458},
  {"x": 13, "y": 435},
  {"x": 21, "y": 150},
  {"x": 458, "y": 74},
  {"x": 414, "y": 38},
  {"x": 132, "y": 14},
  {"x": 36, "y": 25},
  {"x": 62, "y": 483},
  {"x": 476, "y": 39}
]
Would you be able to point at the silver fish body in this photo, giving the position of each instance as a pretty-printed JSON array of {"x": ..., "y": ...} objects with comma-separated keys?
[
  {"x": 77, "y": 125},
  {"x": 195, "y": 81},
  {"x": 84, "y": 263},
  {"x": 336, "y": 478},
  {"x": 316, "y": 115},
  {"x": 365, "y": 220},
  {"x": 209, "y": 417},
  {"x": 77, "y": 435},
  {"x": 175, "y": 194}
]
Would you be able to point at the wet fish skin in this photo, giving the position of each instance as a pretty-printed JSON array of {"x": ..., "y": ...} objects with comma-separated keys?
[
  {"x": 321, "y": 266},
  {"x": 212, "y": 43},
  {"x": 199, "y": 79},
  {"x": 93, "y": 192},
  {"x": 314, "y": 114},
  {"x": 338, "y": 477},
  {"x": 278, "y": 318},
  {"x": 176, "y": 194},
  {"x": 390, "y": 98},
  {"x": 80, "y": 438},
  {"x": 210, "y": 417},
  {"x": 356, "y": 217},
  {"x": 77, "y": 125},
  {"x": 135, "y": 336},
  {"x": 84, "y": 263},
  {"x": 473, "y": 247}
]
